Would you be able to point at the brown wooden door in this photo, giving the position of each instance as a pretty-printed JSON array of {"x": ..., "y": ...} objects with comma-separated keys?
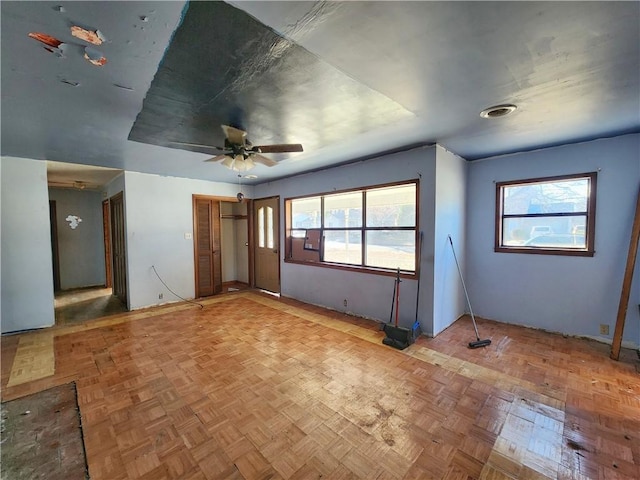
[
  {"x": 107, "y": 243},
  {"x": 207, "y": 247},
  {"x": 267, "y": 243},
  {"x": 118, "y": 245}
]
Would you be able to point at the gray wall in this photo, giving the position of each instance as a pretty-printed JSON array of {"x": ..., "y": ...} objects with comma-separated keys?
[
  {"x": 571, "y": 295},
  {"x": 367, "y": 294},
  {"x": 450, "y": 218},
  {"x": 80, "y": 250},
  {"x": 27, "y": 271},
  {"x": 159, "y": 212}
]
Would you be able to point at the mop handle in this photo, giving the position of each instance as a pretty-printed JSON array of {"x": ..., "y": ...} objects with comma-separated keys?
[
  {"x": 397, "y": 296},
  {"x": 464, "y": 287},
  {"x": 419, "y": 274},
  {"x": 393, "y": 300}
]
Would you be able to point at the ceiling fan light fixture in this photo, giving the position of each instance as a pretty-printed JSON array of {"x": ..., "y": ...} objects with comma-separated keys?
[
  {"x": 498, "y": 111},
  {"x": 238, "y": 163},
  {"x": 248, "y": 164}
]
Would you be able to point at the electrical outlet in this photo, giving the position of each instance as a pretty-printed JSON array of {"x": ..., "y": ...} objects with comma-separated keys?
[
  {"x": 604, "y": 329},
  {"x": 344, "y": 302},
  {"x": 160, "y": 296}
]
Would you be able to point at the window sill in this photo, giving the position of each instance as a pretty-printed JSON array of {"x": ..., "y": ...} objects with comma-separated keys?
[
  {"x": 349, "y": 268},
  {"x": 546, "y": 251}
]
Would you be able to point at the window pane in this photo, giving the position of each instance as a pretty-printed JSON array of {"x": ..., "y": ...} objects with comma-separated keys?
[
  {"x": 548, "y": 197},
  {"x": 392, "y": 206},
  {"x": 305, "y": 213},
  {"x": 269, "y": 227},
  {"x": 559, "y": 232},
  {"x": 343, "y": 246},
  {"x": 261, "y": 227},
  {"x": 391, "y": 249},
  {"x": 343, "y": 210}
]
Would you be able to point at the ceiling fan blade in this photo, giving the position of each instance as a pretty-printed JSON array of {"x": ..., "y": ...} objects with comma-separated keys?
[
  {"x": 282, "y": 148},
  {"x": 234, "y": 135},
  {"x": 199, "y": 145},
  {"x": 256, "y": 157},
  {"x": 216, "y": 158}
]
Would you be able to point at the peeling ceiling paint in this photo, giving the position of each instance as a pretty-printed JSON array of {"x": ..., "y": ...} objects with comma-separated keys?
[{"x": 89, "y": 36}]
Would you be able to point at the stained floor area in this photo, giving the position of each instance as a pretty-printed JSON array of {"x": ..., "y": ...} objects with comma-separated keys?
[
  {"x": 42, "y": 437},
  {"x": 253, "y": 387}
]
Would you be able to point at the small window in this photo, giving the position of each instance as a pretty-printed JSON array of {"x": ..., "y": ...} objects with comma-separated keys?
[{"x": 553, "y": 215}]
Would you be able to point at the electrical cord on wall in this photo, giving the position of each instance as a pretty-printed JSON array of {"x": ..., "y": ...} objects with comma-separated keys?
[{"x": 167, "y": 286}]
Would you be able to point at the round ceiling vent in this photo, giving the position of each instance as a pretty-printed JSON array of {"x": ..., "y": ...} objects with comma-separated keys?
[{"x": 498, "y": 111}]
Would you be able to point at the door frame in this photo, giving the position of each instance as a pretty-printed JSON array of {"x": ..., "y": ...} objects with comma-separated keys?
[
  {"x": 53, "y": 219},
  {"x": 216, "y": 198},
  {"x": 106, "y": 227},
  {"x": 115, "y": 200}
]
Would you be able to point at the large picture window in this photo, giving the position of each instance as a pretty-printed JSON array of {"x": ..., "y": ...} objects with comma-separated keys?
[
  {"x": 553, "y": 215},
  {"x": 371, "y": 228}
]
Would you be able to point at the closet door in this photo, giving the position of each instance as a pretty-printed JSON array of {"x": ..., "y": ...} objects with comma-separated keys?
[{"x": 208, "y": 263}]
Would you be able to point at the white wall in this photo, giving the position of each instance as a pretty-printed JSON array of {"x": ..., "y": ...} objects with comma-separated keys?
[
  {"x": 27, "y": 271},
  {"x": 572, "y": 295},
  {"x": 80, "y": 250},
  {"x": 228, "y": 243},
  {"x": 451, "y": 181},
  {"x": 367, "y": 294},
  {"x": 235, "y": 258},
  {"x": 159, "y": 212},
  {"x": 242, "y": 250}
]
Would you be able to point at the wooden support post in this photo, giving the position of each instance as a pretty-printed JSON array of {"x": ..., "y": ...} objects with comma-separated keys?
[{"x": 626, "y": 283}]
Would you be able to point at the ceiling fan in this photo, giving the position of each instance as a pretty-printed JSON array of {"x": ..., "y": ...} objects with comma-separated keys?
[{"x": 240, "y": 154}]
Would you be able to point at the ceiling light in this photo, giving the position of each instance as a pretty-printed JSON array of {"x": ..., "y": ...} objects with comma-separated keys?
[
  {"x": 238, "y": 163},
  {"x": 498, "y": 111}
]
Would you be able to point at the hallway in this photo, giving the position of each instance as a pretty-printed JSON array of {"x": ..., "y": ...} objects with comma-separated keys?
[{"x": 79, "y": 305}]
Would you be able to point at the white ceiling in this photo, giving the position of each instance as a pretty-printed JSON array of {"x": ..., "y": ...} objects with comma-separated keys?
[{"x": 572, "y": 68}]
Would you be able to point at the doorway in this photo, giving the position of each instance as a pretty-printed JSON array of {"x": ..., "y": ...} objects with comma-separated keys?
[
  {"x": 221, "y": 245},
  {"x": 80, "y": 229},
  {"x": 266, "y": 224}
]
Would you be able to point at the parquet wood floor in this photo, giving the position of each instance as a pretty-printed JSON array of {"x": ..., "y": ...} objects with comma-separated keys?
[{"x": 253, "y": 387}]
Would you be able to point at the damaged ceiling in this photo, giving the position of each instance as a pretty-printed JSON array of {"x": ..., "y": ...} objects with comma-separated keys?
[{"x": 115, "y": 84}]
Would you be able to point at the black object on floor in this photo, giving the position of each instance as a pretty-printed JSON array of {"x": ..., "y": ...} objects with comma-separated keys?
[{"x": 399, "y": 337}]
